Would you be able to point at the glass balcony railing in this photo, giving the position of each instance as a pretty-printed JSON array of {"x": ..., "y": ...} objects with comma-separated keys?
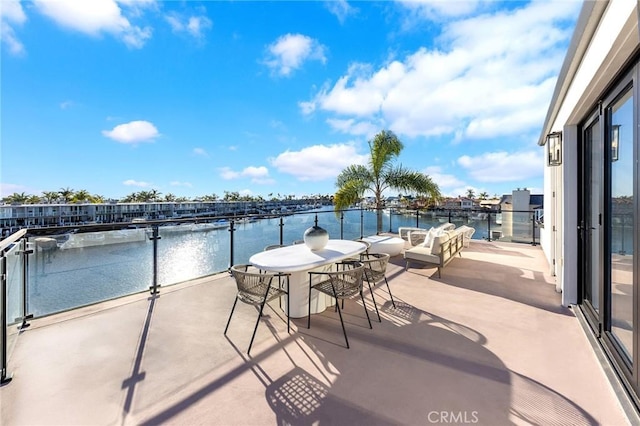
[{"x": 13, "y": 285}]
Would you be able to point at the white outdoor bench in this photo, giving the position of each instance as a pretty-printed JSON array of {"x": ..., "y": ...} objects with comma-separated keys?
[{"x": 442, "y": 250}]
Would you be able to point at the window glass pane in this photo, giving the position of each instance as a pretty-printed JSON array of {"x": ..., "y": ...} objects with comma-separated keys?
[{"x": 620, "y": 138}]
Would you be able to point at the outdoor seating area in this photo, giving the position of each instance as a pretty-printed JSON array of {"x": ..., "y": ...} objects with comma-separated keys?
[
  {"x": 417, "y": 236},
  {"x": 439, "y": 246},
  {"x": 489, "y": 341}
]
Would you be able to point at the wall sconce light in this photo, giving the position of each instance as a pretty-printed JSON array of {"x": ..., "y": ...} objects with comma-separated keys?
[
  {"x": 615, "y": 142},
  {"x": 554, "y": 149}
]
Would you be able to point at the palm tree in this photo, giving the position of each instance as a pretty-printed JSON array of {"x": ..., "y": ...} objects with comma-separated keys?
[
  {"x": 471, "y": 193},
  {"x": 231, "y": 196},
  {"x": 144, "y": 197},
  {"x": 211, "y": 197},
  {"x": 483, "y": 196},
  {"x": 66, "y": 194},
  {"x": 81, "y": 196},
  {"x": 155, "y": 195},
  {"x": 379, "y": 175},
  {"x": 50, "y": 196},
  {"x": 16, "y": 198},
  {"x": 131, "y": 198},
  {"x": 33, "y": 199},
  {"x": 96, "y": 199}
]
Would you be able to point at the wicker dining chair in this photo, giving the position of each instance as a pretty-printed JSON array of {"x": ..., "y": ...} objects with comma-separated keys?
[
  {"x": 256, "y": 288},
  {"x": 367, "y": 244},
  {"x": 273, "y": 247},
  {"x": 341, "y": 284},
  {"x": 375, "y": 270}
]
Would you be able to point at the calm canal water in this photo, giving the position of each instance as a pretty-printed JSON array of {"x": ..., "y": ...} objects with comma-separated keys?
[{"x": 62, "y": 279}]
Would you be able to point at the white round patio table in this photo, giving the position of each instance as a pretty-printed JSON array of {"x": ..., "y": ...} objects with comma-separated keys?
[{"x": 298, "y": 260}]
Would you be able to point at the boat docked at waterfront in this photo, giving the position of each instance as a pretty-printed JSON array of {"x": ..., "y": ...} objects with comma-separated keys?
[{"x": 90, "y": 239}]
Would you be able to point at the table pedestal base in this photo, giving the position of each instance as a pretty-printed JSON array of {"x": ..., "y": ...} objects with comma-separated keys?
[{"x": 299, "y": 295}]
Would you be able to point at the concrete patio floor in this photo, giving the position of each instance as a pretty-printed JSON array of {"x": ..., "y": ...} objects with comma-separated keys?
[{"x": 488, "y": 343}]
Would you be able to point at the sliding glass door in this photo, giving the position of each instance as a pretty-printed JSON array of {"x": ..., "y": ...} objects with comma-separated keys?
[
  {"x": 591, "y": 229},
  {"x": 621, "y": 227},
  {"x": 608, "y": 225}
]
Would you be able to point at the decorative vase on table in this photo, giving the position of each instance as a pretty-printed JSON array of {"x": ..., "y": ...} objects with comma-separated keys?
[{"x": 316, "y": 237}]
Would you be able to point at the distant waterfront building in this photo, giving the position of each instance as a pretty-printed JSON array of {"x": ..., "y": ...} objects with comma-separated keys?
[
  {"x": 17, "y": 216},
  {"x": 459, "y": 203},
  {"x": 492, "y": 204},
  {"x": 519, "y": 211}
]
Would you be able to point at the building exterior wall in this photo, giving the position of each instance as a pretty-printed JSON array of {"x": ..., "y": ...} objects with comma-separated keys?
[{"x": 597, "y": 93}]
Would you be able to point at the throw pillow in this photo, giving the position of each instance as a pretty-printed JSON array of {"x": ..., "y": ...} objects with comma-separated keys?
[{"x": 428, "y": 238}]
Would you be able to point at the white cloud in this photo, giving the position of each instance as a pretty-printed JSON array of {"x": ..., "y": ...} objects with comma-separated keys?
[
  {"x": 340, "y": 8},
  {"x": 11, "y": 10},
  {"x": 503, "y": 166},
  {"x": 278, "y": 125},
  {"x": 7, "y": 189},
  {"x": 358, "y": 93},
  {"x": 11, "y": 14},
  {"x": 178, "y": 183},
  {"x": 353, "y": 127},
  {"x": 318, "y": 162},
  {"x": 96, "y": 17},
  {"x": 227, "y": 174},
  {"x": 489, "y": 75},
  {"x": 290, "y": 51},
  {"x": 258, "y": 175},
  {"x": 133, "y": 132},
  {"x": 307, "y": 107},
  {"x": 436, "y": 9},
  {"x": 66, "y": 104},
  {"x": 460, "y": 191},
  {"x": 192, "y": 25},
  {"x": 444, "y": 180},
  {"x": 141, "y": 184},
  {"x": 136, "y": 8},
  {"x": 256, "y": 172},
  {"x": 201, "y": 152}
]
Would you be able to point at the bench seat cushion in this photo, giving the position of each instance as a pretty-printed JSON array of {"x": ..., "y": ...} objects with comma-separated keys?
[{"x": 421, "y": 254}]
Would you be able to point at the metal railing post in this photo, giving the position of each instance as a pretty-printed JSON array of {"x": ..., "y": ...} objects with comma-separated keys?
[
  {"x": 281, "y": 225},
  {"x": 315, "y": 222},
  {"x": 341, "y": 224},
  {"x": 489, "y": 227},
  {"x": 417, "y": 218},
  {"x": 154, "y": 238},
  {"x": 362, "y": 222},
  {"x": 231, "y": 243},
  {"x": 5, "y": 377},
  {"x": 533, "y": 228},
  {"x": 390, "y": 216},
  {"x": 25, "y": 287}
]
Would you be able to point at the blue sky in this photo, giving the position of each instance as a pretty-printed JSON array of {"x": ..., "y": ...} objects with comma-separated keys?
[{"x": 196, "y": 98}]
